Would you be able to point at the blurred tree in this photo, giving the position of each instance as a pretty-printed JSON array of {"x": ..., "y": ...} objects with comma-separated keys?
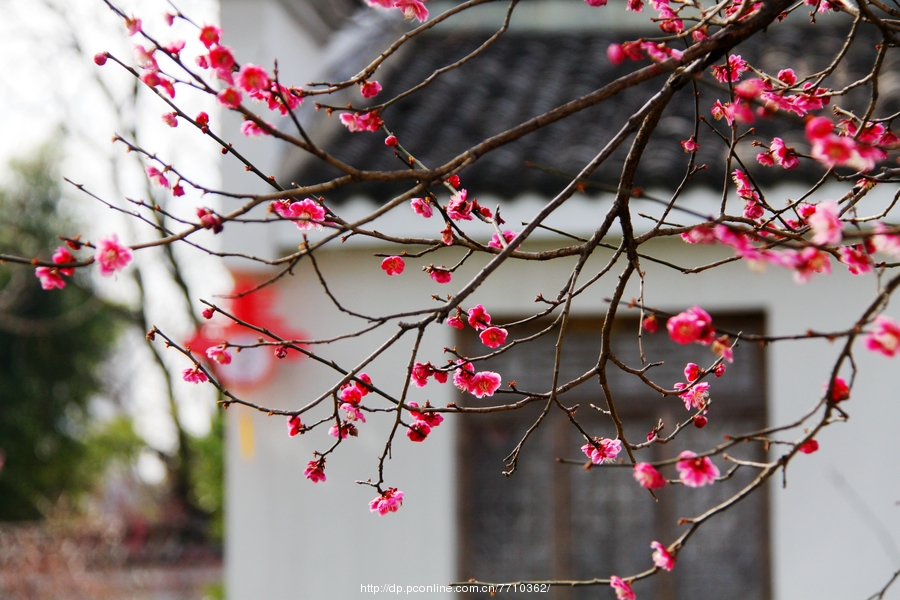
[{"x": 50, "y": 348}]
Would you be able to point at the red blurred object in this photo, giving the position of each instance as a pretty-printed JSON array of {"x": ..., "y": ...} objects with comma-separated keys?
[{"x": 252, "y": 367}]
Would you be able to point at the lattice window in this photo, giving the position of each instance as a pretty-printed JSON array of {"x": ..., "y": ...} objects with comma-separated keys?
[{"x": 557, "y": 521}]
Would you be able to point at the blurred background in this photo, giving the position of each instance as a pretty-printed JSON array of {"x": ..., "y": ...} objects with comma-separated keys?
[{"x": 110, "y": 465}]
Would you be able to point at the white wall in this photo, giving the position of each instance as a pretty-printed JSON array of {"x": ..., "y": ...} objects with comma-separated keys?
[{"x": 289, "y": 538}]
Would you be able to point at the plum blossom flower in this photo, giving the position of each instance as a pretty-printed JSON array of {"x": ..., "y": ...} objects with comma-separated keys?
[
  {"x": 345, "y": 430},
  {"x": 412, "y": 9},
  {"x": 691, "y": 372},
  {"x": 701, "y": 234},
  {"x": 294, "y": 425},
  {"x": 720, "y": 369},
  {"x": 493, "y": 337},
  {"x": 840, "y": 391},
  {"x": 210, "y": 35},
  {"x": 100, "y": 58},
  {"x": 885, "y": 337},
  {"x": 622, "y": 588},
  {"x": 856, "y": 258},
  {"x": 808, "y": 447},
  {"x": 218, "y": 354},
  {"x": 315, "y": 470},
  {"x": 440, "y": 275},
  {"x": 699, "y": 421},
  {"x": 602, "y": 450},
  {"x": 596, "y": 3},
  {"x": 420, "y": 373},
  {"x": 721, "y": 346},
  {"x": 194, "y": 375},
  {"x": 132, "y": 25},
  {"x": 695, "y": 397},
  {"x": 252, "y": 78},
  {"x": 170, "y": 119},
  {"x": 422, "y": 207},
  {"x": 418, "y": 431},
  {"x": 692, "y": 325},
  {"x": 391, "y": 141},
  {"x": 456, "y": 322},
  {"x": 463, "y": 375},
  {"x": 156, "y": 177},
  {"x": 221, "y": 58},
  {"x": 111, "y": 256},
  {"x": 353, "y": 412},
  {"x": 432, "y": 419},
  {"x": 393, "y": 265},
  {"x": 369, "y": 121},
  {"x": 648, "y": 476},
  {"x": 50, "y": 278},
  {"x": 826, "y": 224},
  {"x": 306, "y": 214},
  {"x": 690, "y": 144},
  {"x": 209, "y": 219},
  {"x": 369, "y": 89},
  {"x": 696, "y": 471},
  {"x": 229, "y": 97},
  {"x": 389, "y": 501},
  {"x": 662, "y": 558},
  {"x": 459, "y": 209},
  {"x": 484, "y": 384},
  {"x": 508, "y": 236},
  {"x": 787, "y": 76},
  {"x": 732, "y": 70},
  {"x": 670, "y": 23},
  {"x": 650, "y": 324},
  {"x": 479, "y": 317},
  {"x": 784, "y": 155}
]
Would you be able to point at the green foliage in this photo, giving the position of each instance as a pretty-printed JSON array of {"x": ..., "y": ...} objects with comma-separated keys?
[
  {"x": 207, "y": 475},
  {"x": 51, "y": 343}
]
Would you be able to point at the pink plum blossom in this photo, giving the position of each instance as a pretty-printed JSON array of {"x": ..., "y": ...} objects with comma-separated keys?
[
  {"x": 622, "y": 588},
  {"x": 432, "y": 419},
  {"x": 856, "y": 259},
  {"x": 252, "y": 78},
  {"x": 648, "y": 476},
  {"x": 690, "y": 144},
  {"x": 484, "y": 384},
  {"x": 132, "y": 25},
  {"x": 306, "y": 214},
  {"x": 422, "y": 207},
  {"x": 315, "y": 470},
  {"x": 695, "y": 397},
  {"x": 508, "y": 236},
  {"x": 294, "y": 425},
  {"x": 493, "y": 337},
  {"x": 391, "y": 141},
  {"x": 194, "y": 375},
  {"x": 650, "y": 324},
  {"x": 218, "y": 354},
  {"x": 459, "y": 209},
  {"x": 369, "y": 121},
  {"x": 221, "y": 58},
  {"x": 229, "y": 98},
  {"x": 696, "y": 471},
  {"x": 111, "y": 256},
  {"x": 353, "y": 412},
  {"x": 826, "y": 224},
  {"x": 602, "y": 450},
  {"x": 50, "y": 278},
  {"x": 692, "y": 325},
  {"x": 369, "y": 89},
  {"x": 156, "y": 177},
  {"x": 252, "y": 129},
  {"x": 456, "y": 322},
  {"x": 808, "y": 447},
  {"x": 784, "y": 155},
  {"x": 840, "y": 391},
  {"x": 596, "y": 3},
  {"x": 420, "y": 373},
  {"x": 463, "y": 376},
  {"x": 393, "y": 265},
  {"x": 209, "y": 219},
  {"x": 662, "y": 558},
  {"x": 418, "y": 431},
  {"x": 412, "y": 9},
  {"x": 692, "y": 371},
  {"x": 345, "y": 430},
  {"x": 479, "y": 317},
  {"x": 732, "y": 70},
  {"x": 440, "y": 275},
  {"x": 389, "y": 501},
  {"x": 884, "y": 337},
  {"x": 209, "y": 35},
  {"x": 720, "y": 369}
]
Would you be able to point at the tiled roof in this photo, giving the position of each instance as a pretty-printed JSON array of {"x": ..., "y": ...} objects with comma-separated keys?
[{"x": 524, "y": 75}]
